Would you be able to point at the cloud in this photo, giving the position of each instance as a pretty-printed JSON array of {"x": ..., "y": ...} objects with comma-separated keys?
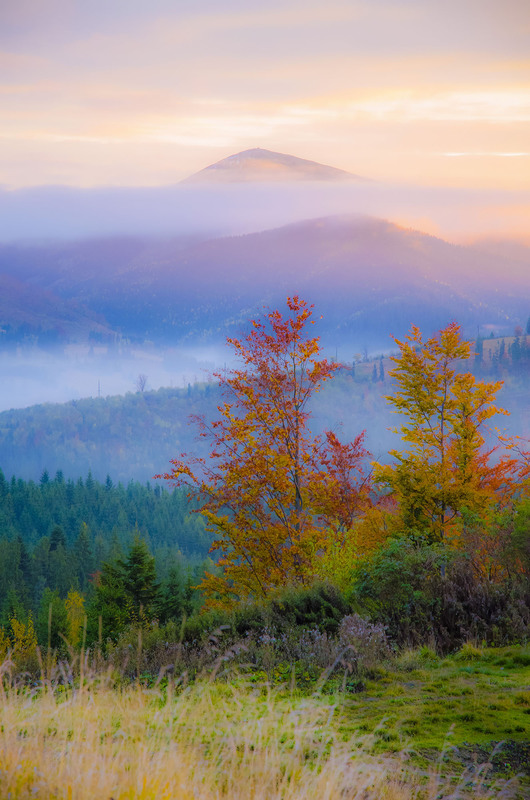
[
  {"x": 363, "y": 85},
  {"x": 236, "y": 209},
  {"x": 487, "y": 155}
]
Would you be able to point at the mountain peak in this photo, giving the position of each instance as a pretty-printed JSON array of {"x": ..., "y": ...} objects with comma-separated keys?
[{"x": 265, "y": 166}]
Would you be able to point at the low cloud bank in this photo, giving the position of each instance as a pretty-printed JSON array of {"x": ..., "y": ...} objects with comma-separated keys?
[{"x": 66, "y": 213}]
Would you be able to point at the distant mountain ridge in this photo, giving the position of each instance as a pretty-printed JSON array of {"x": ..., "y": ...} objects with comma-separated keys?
[
  {"x": 259, "y": 165},
  {"x": 367, "y": 277},
  {"x": 36, "y": 312}
]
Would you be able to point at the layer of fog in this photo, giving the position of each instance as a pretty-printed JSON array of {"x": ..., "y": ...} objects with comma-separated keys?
[
  {"x": 34, "y": 376},
  {"x": 31, "y": 376},
  {"x": 67, "y": 213}
]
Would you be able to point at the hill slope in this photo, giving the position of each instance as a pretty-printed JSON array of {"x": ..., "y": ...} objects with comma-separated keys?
[
  {"x": 367, "y": 277},
  {"x": 43, "y": 316},
  {"x": 135, "y": 436}
]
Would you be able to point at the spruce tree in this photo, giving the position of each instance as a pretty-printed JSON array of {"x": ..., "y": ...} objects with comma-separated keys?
[
  {"x": 139, "y": 577},
  {"x": 57, "y": 539},
  {"x": 170, "y": 604},
  {"x": 84, "y": 557}
]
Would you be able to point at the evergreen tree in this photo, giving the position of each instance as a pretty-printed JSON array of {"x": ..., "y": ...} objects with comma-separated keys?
[
  {"x": 52, "y": 621},
  {"x": 57, "y": 539},
  {"x": 139, "y": 577},
  {"x": 70, "y": 493},
  {"x": 61, "y": 573},
  {"x": 516, "y": 352},
  {"x": 126, "y": 591},
  {"x": 479, "y": 351},
  {"x": 170, "y": 603},
  {"x": 110, "y": 604},
  {"x": 89, "y": 483},
  {"x": 4, "y": 486},
  {"x": 84, "y": 557},
  {"x": 25, "y": 570},
  {"x": 12, "y": 606}
]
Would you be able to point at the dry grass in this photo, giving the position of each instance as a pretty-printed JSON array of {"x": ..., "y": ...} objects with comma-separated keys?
[{"x": 209, "y": 741}]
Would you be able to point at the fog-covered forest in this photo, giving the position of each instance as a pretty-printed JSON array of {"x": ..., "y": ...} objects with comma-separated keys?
[{"x": 133, "y": 436}]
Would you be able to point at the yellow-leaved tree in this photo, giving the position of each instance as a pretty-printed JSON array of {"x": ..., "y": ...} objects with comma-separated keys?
[
  {"x": 445, "y": 469},
  {"x": 75, "y": 615}
]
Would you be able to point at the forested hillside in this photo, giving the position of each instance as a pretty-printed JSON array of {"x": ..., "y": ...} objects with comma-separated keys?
[
  {"x": 56, "y": 534},
  {"x": 132, "y": 437}
]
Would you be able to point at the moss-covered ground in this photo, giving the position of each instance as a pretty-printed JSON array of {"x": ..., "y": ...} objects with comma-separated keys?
[{"x": 474, "y": 697}]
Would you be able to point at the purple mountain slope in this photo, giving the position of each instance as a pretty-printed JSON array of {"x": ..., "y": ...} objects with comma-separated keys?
[{"x": 367, "y": 277}]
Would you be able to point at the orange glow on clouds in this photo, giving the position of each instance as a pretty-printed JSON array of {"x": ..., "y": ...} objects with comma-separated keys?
[{"x": 146, "y": 94}]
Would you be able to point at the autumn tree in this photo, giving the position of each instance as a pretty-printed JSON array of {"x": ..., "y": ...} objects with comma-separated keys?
[
  {"x": 445, "y": 469},
  {"x": 272, "y": 492}
]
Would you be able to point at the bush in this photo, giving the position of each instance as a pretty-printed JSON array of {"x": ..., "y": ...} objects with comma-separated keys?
[
  {"x": 296, "y": 629},
  {"x": 319, "y": 606},
  {"x": 368, "y": 642},
  {"x": 421, "y": 592}
]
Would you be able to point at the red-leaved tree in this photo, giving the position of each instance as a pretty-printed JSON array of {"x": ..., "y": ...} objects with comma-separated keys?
[{"x": 276, "y": 496}]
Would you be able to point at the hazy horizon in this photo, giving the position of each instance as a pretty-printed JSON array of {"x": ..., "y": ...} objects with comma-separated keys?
[{"x": 66, "y": 213}]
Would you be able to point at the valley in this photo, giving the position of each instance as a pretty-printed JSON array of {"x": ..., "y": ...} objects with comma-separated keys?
[{"x": 113, "y": 346}]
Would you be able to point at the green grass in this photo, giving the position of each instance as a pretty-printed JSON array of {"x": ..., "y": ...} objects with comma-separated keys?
[
  {"x": 470, "y": 698},
  {"x": 453, "y": 712}
]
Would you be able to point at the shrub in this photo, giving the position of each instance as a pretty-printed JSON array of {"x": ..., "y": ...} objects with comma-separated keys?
[
  {"x": 368, "y": 641},
  {"x": 294, "y": 629},
  {"x": 319, "y": 606},
  {"x": 420, "y": 592}
]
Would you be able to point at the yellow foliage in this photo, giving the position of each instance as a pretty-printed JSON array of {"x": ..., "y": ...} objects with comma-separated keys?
[
  {"x": 75, "y": 611},
  {"x": 24, "y": 637},
  {"x": 367, "y": 534},
  {"x": 444, "y": 468},
  {"x": 5, "y": 644}
]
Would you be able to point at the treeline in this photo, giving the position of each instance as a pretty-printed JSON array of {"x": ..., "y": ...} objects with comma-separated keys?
[
  {"x": 56, "y": 535},
  {"x": 134, "y": 436},
  {"x": 505, "y": 357}
]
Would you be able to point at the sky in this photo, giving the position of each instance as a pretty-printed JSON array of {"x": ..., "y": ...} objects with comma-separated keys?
[{"x": 143, "y": 93}]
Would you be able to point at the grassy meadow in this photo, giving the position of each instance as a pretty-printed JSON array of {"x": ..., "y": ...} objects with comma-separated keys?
[{"x": 413, "y": 726}]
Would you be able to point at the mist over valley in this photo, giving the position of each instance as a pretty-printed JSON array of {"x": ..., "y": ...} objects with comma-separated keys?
[{"x": 161, "y": 277}]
